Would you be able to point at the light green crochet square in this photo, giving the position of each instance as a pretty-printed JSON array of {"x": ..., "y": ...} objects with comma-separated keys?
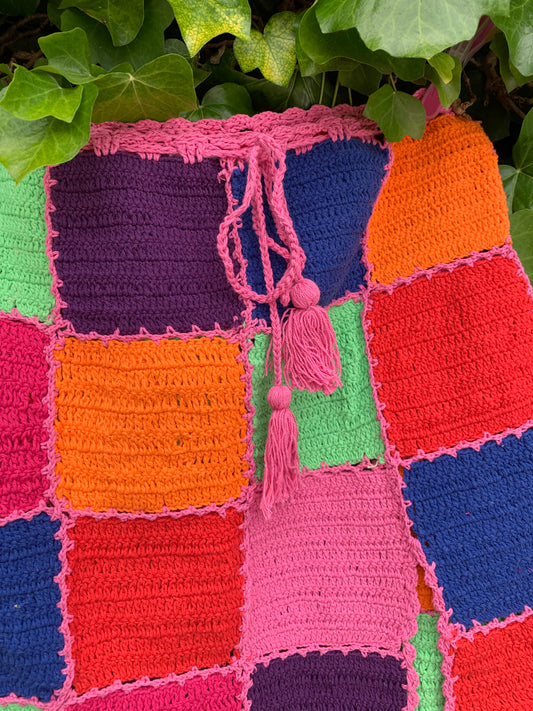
[
  {"x": 334, "y": 429},
  {"x": 25, "y": 279},
  {"x": 428, "y": 664}
]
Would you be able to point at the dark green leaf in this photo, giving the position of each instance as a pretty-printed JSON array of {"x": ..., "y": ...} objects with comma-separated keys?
[
  {"x": 160, "y": 90},
  {"x": 223, "y": 101},
  {"x": 201, "y": 20},
  {"x": 122, "y": 19},
  {"x": 68, "y": 54},
  {"x": 4, "y": 69},
  {"x": 148, "y": 45},
  {"x": 449, "y": 91},
  {"x": 27, "y": 145},
  {"x": 522, "y": 235},
  {"x": 518, "y": 181},
  {"x": 508, "y": 174},
  {"x": 523, "y": 149},
  {"x": 408, "y": 28},
  {"x": 273, "y": 52},
  {"x": 509, "y": 73},
  {"x": 518, "y": 188},
  {"x": 362, "y": 78},
  {"x": 322, "y": 48},
  {"x": 176, "y": 46},
  {"x": 396, "y": 113},
  {"x": 518, "y": 29},
  {"x": 54, "y": 14},
  {"x": 18, "y": 7},
  {"x": 33, "y": 95}
]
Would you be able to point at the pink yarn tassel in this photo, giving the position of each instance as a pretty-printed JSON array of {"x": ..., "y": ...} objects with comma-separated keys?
[
  {"x": 310, "y": 352},
  {"x": 282, "y": 464}
]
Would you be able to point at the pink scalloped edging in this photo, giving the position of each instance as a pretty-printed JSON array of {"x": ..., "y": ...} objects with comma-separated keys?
[
  {"x": 15, "y": 315},
  {"x": 450, "y": 645},
  {"x": 507, "y": 252},
  {"x": 295, "y": 129},
  {"x": 48, "y": 183},
  {"x": 181, "y": 679},
  {"x": 504, "y": 250}
]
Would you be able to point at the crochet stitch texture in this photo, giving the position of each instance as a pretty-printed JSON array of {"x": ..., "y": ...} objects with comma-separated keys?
[{"x": 144, "y": 288}]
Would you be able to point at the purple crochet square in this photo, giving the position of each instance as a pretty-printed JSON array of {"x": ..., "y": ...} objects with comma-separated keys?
[
  {"x": 136, "y": 244},
  {"x": 333, "y": 681}
]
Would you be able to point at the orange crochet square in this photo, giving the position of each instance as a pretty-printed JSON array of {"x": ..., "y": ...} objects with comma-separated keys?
[
  {"x": 433, "y": 207},
  {"x": 141, "y": 425}
]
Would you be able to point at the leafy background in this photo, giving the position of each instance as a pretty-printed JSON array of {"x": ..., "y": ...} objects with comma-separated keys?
[{"x": 65, "y": 63}]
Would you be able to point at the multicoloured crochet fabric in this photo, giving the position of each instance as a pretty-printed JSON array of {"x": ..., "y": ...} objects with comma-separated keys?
[{"x": 144, "y": 289}]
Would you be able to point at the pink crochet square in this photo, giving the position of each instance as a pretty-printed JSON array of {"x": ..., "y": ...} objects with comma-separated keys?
[
  {"x": 333, "y": 566},
  {"x": 23, "y": 388}
]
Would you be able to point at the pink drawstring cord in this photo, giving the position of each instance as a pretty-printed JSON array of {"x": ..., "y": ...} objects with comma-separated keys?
[{"x": 304, "y": 340}]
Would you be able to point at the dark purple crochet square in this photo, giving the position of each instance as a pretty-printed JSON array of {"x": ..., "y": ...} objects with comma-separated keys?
[
  {"x": 137, "y": 244},
  {"x": 332, "y": 681}
]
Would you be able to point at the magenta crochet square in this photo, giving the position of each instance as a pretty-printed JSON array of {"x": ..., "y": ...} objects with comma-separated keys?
[
  {"x": 216, "y": 691},
  {"x": 316, "y": 573},
  {"x": 24, "y": 383},
  {"x": 136, "y": 244}
]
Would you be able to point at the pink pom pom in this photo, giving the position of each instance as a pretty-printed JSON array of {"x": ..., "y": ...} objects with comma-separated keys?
[
  {"x": 282, "y": 464},
  {"x": 309, "y": 345}
]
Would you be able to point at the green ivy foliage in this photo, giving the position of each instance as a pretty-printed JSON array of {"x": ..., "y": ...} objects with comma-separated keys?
[{"x": 127, "y": 60}]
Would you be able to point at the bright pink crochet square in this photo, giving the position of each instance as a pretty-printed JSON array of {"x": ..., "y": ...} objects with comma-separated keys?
[
  {"x": 24, "y": 382},
  {"x": 216, "y": 691},
  {"x": 333, "y": 566}
]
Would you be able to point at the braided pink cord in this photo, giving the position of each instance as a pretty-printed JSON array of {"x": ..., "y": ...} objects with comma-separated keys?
[{"x": 266, "y": 162}]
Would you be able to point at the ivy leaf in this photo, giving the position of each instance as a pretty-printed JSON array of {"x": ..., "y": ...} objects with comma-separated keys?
[
  {"x": 518, "y": 29},
  {"x": 4, "y": 69},
  {"x": 18, "y": 7},
  {"x": 512, "y": 78},
  {"x": 123, "y": 20},
  {"x": 160, "y": 90},
  {"x": 518, "y": 181},
  {"x": 450, "y": 90},
  {"x": 32, "y": 95},
  {"x": 522, "y": 235},
  {"x": 201, "y": 20},
  {"x": 176, "y": 46},
  {"x": 444, "y": 65},
  {"x": 27, "y": 145},
  {"x": 68, "y": 54},
  {"x": 273, "y": 52},
  {"x": 362, "y": 78},
  {"x": 223, "y": 101},
  {"x": 518, "y": 186},
  {"x": 408, "y": 28},
  {"x": 147, "y": 45},
  {"x": 322, "y": 48},
  {"x": 308, "y": 67},
  {"x": 396, "y": 113}
]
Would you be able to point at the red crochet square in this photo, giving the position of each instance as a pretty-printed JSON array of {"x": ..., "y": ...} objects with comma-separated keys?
[
  {"x": 453, "y": 355},
  {"x": 150, "y": 598},
  {"x": 24, "y": 384},
  {"x": 495, "y": 670}
]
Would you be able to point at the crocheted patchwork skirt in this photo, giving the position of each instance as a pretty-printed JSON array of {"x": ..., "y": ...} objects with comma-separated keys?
[{"x": 266, "y": 422}]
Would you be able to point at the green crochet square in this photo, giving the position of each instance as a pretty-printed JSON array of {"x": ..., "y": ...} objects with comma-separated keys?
[
  {"x": 334, "y": 429},
  {"x": 25, "y": 279},
  {"x": 428, "y": 664}
]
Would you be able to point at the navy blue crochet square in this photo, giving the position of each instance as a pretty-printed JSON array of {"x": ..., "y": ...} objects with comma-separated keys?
[
  {"x": 30, "y": 641},
  {"x": 473, "y": 515},
  {"x": 332, "y": 681},
  {"x": 330, "y": 192}
]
